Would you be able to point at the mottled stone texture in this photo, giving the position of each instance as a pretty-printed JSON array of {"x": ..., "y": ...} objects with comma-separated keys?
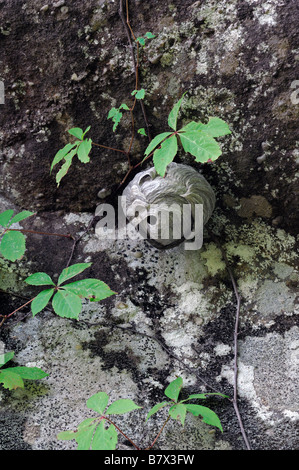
[{"x": 67, "y": 63}]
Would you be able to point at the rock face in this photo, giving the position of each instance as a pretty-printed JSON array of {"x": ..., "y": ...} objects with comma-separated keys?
[{"x": 66, "y": 64}]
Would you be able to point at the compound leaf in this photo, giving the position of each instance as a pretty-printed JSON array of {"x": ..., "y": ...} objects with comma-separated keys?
[{"x": 13, "y": 245}]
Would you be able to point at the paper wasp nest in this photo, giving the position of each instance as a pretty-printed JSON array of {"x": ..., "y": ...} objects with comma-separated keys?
[{"x": 164, "y": 209}]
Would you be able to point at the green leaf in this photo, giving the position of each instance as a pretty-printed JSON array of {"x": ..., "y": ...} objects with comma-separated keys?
[
  {"x": 21, "y": 216},
  {"x": 76, "y": 132},
  {"x": 116, "y": 116},
  {"x": 209, "y": 416},
  {"x": 83, "y": 150},
  {"x": 173, "y": 115},
  {"x": 39, "y": 279},
  {"x": 66, "y": 165},
  {"x": 139, "y": 94},
  {"x": 178, "y": 412},
  {"x": 98, "y": 402},
  {"x": 13, "y": 245},
  {"x": 5, "y": 217},
  {"x": 124, "y": 106},
  {"x": 84, "y": 438},
  {"x": 216, "y": 127},
  {"x": 156, "y": 408},
  {"x": 4, "y": 358},
  {"x": 90, "y": 288},
  {"x": 10, "y": 379},
  {"x": 66, "y": 304},
  {"x": 82, "y": 428},
  {"x": 66, "y": 435},
  {"x": 72, "y": 271},
  {"x": 61, "y": 154},
  {"x": 156, "y": 141},
  {"x": 104, "y": 439},
  {"x": 141, "y": 40},
  {"x": 124, "y": 405},
  {"x": 142, "y": 131},
  {"x": 200, "y": 145},
  {"x": 41, "y": 301},
  {"x": 165, "y": 155},
  {"x": 205, "y": 395},
  {"x": 150, "y": 35},
  {"x": 28, "y": 373},
  {"x": 86, "y": 130},
  {"x": 174, "y": 388}
]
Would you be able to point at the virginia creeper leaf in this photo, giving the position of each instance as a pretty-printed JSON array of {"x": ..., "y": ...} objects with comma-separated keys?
[
  {"x": 90, "y": 288},
  {"x": 156, "y": 408},
  {"x": 173, "y": 115},
  {"x": 209, "y": 416},
  {"x": 83, "y": 150},
  {"x": 124, "y": 405},
  {"x": 39, "y": 279},
  {"x": 28, "y": 373},
  {"x": 178, "y": 412},
  {"x": 41, "y": 301},
  {"x": 5, "y": 217},
  {"x": 156, "y": 141},
  {"x": 12, "y": 245},
  {"x": 61, "y": 154},
  {"x": 164, "y": 155},
  {"x": 21, "y": 216},
  {"x": 174, "y": 388},
  {"x": 200, "y": 145},
  {"x": 66, "y": 304},
  {"x": 76, "y": 132},
  {"x": 10, "y": 379},
  {"x": 72, "y": 271},
  {"x": 104, "y": 439},
  {"x": 98, "y": 402}
]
